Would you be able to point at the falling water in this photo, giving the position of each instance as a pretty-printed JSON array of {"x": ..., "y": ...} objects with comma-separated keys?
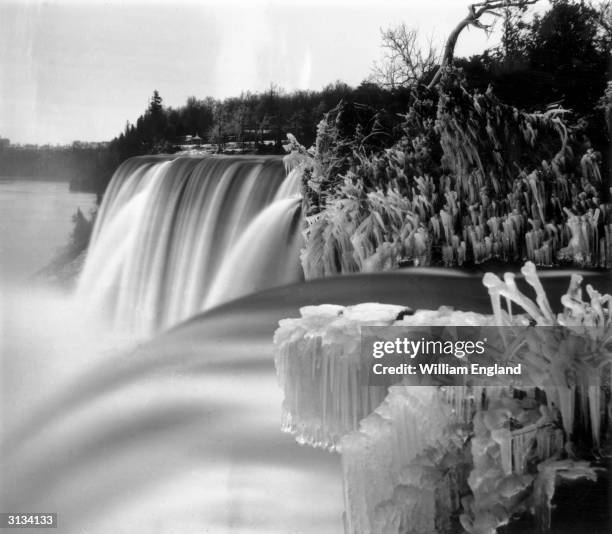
[
  {"x": 276, "y": 234},
  {"x": 178, "y": 235},
  {"x": 179, "y": 435}
]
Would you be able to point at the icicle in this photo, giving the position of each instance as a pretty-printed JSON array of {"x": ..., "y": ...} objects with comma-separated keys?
[
  {"x": 459, "y": 398},
  {"x": 594, "y": 395},
  {"x": 549, "y": 442},
  {"x": 546, "y": 481},
  {"x": 477, "y": 393},
  {"x": 493, "y": 284},
  {"x": 566, "y": 397},
  {"x": 529, "y": 272},
  {"x": 503, "y": 438},
  {"x": 508, "y": 289},
  {"x": 521, "y": 442}
]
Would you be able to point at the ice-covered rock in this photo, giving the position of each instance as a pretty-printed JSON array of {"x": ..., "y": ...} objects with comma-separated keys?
[
  {"x": 502, "y": 474},
  {"x": 407, "y": 451},
  {"x": 400, "y": 467},
  {"x": 320, "y": 369}
]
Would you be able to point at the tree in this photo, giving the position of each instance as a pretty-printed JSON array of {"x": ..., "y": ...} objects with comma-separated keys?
[
  {"x": 151, "y": 127},
  {"x": 513, "y": 37},
  {"x": 569, "y": 44},
  {"x": 218, "y": 131},
  {"x": 155, "y": 104},
  {"x": 196, "y": 117},
  {"x": 475, "y": 12},
  {"x": 404, "y": 62}
]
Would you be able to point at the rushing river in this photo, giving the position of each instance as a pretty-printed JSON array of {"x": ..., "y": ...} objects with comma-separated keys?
[{"x": 176, "y": 435}]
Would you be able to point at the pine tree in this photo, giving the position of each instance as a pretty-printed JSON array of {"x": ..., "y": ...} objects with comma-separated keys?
[{"x": 155, "y": 105}]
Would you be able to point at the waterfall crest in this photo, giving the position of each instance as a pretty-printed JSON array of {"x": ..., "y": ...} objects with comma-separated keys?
[{"x": 176, "y": 235}]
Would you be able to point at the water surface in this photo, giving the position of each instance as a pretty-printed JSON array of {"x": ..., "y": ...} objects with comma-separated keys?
[{"x": 35, "y": 222}]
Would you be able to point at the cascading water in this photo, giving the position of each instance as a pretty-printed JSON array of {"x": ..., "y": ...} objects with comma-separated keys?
[
  {"x": 178, "y": 235},
  {"x": 181, "y": 433},
  {"x": 276, "y": 232}
]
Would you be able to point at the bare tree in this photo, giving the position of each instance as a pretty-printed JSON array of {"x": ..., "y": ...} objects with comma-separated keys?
[
  {"x": 404, "y": 62},
  {"x": 475, "y": 12}
]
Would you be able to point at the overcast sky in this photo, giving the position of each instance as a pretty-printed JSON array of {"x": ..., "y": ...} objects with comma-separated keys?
[{"x": 80, "y": 70}]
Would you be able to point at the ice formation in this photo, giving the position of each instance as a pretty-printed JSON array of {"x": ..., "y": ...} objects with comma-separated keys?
[
  {"x": 421, "y": 459},
  {"x": 402, "y": 468},
  {"x": 500, "y": 480},
  {"x": 573, "y": 355},
  {"x": 320, "y": 370}
]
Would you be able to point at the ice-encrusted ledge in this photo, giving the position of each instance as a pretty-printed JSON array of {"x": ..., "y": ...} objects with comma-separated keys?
[
  {"x": 319, "y": 368},
  {"x": 424, "y": 459}
]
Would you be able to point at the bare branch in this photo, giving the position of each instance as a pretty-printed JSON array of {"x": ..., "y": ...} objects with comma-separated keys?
[{"x": 404, "y": 61}]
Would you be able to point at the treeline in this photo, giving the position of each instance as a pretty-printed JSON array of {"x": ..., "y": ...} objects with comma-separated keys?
[
  {"x": 257, "y": 121},
  {"x": 83, "y": 165}
]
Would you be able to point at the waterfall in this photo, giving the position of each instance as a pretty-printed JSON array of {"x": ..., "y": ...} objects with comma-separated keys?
[
  {"x": 248, "y": 267},
  {"x": 176, "y": 235}
]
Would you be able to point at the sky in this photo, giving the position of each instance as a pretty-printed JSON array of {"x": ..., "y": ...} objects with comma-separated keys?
[{"x": 78, "y": 70}]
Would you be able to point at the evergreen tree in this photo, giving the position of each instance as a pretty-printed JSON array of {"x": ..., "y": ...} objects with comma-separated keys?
[{"x": 155, "y": 105}]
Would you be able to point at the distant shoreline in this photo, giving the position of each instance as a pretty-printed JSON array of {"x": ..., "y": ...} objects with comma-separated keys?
[{"x": 34, "y": 179}]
